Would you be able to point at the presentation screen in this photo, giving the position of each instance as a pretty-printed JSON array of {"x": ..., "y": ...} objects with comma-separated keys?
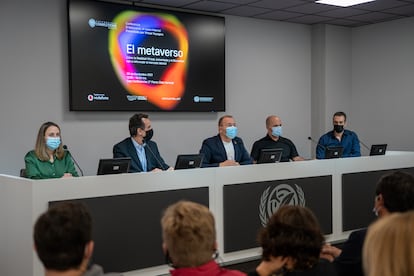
[{"x": 129, "y": 58}]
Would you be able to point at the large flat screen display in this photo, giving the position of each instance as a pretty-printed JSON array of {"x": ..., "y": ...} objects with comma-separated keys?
[{"x": 129, "y": 58}]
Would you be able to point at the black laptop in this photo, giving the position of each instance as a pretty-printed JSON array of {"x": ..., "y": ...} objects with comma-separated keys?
[
  {"x": 270, "y": 156},
  {"x": 188, "y": 161},
  {"x": 334, "y": 152},
  {"x": 378, "y": 149},
  {"x": 114, "y": 165}
]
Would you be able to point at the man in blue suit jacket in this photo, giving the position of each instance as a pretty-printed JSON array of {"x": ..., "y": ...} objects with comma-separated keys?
[
  {"x": 144, "y": 153},
  {"x": 225, "y": 149}
]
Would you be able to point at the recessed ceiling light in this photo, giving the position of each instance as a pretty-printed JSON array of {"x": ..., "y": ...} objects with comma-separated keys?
[{"x": 343, "y": 3}]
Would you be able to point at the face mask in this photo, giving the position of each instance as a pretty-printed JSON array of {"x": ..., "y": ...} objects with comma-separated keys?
[
  {"x": 53, "y": 142},
  {"x": 277, "y": 131},
  {"x": 148, "y": 135},
  {"x": 231, "y": 132},
  {"x": 338, "y": 128},
  {"x": 375, "y": 211}
]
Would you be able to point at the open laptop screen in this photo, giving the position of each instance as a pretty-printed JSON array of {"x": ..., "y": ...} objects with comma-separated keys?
[
  {"x": 188, "y": 161},
  {"x": 269, "y": 156},
  {"x": 379, "y": 149},
  {"x": 114, "y": 165},
  {"x": 334, "y": 152}
]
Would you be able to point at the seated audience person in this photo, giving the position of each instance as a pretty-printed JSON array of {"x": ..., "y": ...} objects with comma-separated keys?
[
  {"x": 389, "y": 246},
  {"x": 63, "y": 241},
  {"x": 394, "y": 193},
  {"x": 189, "y": 241},
  {"x": 225, "y": 149},
  {"x": 49, "y": 159},
  {"x": 339, "y": 136},
  {"x": 144, "y": 153},
  {"x": 291, "y": 243},
  {"x": 274, "y": 140}
]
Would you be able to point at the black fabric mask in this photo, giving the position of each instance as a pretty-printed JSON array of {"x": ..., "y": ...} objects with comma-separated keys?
[
  {"x": 338, "y": 128},
  {"x": 148, "y": 135}
]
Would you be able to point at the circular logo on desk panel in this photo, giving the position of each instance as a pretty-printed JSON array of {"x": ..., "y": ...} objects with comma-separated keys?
[{"x": 282, "y": 194}]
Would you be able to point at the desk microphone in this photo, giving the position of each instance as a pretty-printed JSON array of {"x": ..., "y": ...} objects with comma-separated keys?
[
  {"x": 152, "y": 153},
  {"x": 65, "y": 148},
  {"x": 316, "y": 143},
  {"x": 365, "y": 146}
]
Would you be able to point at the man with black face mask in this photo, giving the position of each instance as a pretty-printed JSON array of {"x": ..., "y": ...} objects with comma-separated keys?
[
  {"x": 339, "y": 137},
  {"x": 144, "y": 153}
]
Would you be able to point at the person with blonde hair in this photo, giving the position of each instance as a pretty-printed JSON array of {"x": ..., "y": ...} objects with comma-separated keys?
[
  {"x": 389, "y": 246},
  {"x": 189, "y": 241},
  {"x": 291, "y": 243},
  {"x": 49, "y": 159}
]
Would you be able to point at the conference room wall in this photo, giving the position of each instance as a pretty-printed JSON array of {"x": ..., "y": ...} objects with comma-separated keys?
[
  {"x": 382, "y": 83},
  {"x": 268, "y": 70}
]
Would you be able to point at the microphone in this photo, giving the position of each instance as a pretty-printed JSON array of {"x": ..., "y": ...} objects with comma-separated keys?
[
  {"x": 316, "y": 143},
  {"x": 65, "y": 148},
  {"x": 158, "y": 161},
  {"x": 365, "y": 146}
]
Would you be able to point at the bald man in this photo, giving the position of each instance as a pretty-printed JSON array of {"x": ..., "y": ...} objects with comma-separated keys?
[{"x": 274, "y": 140}]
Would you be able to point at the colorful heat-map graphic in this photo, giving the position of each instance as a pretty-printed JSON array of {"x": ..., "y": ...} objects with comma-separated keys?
[{"x": 153, "y": 73}]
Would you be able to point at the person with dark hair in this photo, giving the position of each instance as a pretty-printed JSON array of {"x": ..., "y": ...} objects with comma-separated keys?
[
  {"x": 189, "y": 241},
  {"x": 275, "y": 140},
  {"x": 63, "y": 240},
  {"x": 49, "y": 159},
  {"x": 394, "y": 193},
  {"x": 339, "y": 136},
  {"x": 143, "y": 152},
  {"x": 225, "y": 149},
  {"x": 291, "y": 243}
]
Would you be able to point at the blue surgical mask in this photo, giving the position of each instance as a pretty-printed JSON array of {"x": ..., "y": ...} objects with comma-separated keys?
[
  {"x": 231, "y": 132},
  {"x": 277, "y": 131},
  {"x": 53, "y": 142}
]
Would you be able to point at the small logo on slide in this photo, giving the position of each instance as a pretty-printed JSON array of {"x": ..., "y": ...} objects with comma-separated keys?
[
  {"x": 97, "y": 97},
  {"x": 92, "y": 23}
]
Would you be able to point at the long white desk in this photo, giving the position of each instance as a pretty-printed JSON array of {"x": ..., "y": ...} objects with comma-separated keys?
[{"x": 22, "y": 200}]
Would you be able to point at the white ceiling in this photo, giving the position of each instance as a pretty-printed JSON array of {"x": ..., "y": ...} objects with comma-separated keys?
[{"x": 297, "y": 11}]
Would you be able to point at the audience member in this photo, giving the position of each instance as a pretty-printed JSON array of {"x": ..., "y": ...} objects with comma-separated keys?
[
  {"x": 339, "y": 136},
  {"x": 63, "y": 241},
  {"x": 143, "y": 152},
  {"x": 274, "y": 140},
  {"x": 225, "y": 149},
  {"x": 389, "y": 246},
  {"x": 291, "y": 243},
  {"x": 49, "y": 159},
  {"x": 189, "y": 241},
  {"x": 394, "y": 193}
]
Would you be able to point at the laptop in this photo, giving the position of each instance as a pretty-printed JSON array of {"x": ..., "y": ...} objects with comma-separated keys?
[
  {"x": 378, "y": 149},
  {"x": 114, "y": 165},
  {"x": 270, "y": 156},
  {"x": 188, "y": 161},
  {"x": 334, "y": 152}
]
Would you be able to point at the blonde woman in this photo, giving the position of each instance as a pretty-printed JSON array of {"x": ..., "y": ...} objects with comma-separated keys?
[
  {"x": 389, "y": 246},
  {"x": 49, "y": 159}
]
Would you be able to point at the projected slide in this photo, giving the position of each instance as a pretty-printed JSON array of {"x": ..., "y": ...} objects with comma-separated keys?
[{"x": 129, "y": 58}]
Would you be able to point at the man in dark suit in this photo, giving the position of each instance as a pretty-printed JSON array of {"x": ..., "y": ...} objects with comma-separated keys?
[
  {"x": 144, "y": 153},
  {"x": 394, "y": 193},
  {"x": 225, "y": 149}
]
